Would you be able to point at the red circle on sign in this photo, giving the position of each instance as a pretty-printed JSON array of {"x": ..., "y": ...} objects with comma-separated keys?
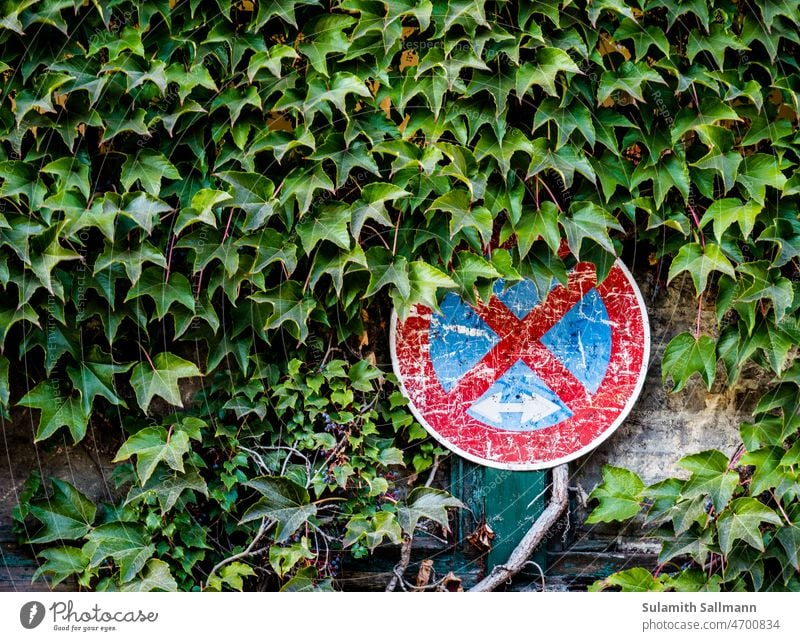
[{"x": 594, "y": 415}]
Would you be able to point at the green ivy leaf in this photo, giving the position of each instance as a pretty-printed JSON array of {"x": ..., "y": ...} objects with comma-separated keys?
[
  {"x": 686, "y": 355},
  {"x": 283, "y": 501},
  {"x": 125, "y": 542},
  {"x": 149, "y": 168},
  {"x": 629, "y": 78},
  {"x": 711, "y": 476},
  {"x": 328, "y": 223},
  {"x": 700, "y": 262},
  {"x": 426, "y": 503},
  {"x": 618, "y": 496},
  {"x": 164, "y": 293},
  {"x": 727, "y": 211},
  {"x": 60, "y": 563},
  {"x": 290, "y": 306},
  {"x": 372, "y": 530},
  {"x": 67, "y": 514},
  {"x": 160, "y": 378},
  {"x": 151, "y": 446},
  {"x": 57, "y": 410},
  {"x": 155, "y": 578},
  {"x": 588, "y": 220},
  {"x": 95, "y": 377},
  {"x": 741, "y": 521}
]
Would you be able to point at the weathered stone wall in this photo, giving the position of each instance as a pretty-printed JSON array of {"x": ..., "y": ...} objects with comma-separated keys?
[{"x": 663, "y": 427}]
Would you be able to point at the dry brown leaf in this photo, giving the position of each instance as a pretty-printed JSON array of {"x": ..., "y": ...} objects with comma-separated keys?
[
  {"x": 482, "y": 537},
  {"x": 424, "y": 574}
]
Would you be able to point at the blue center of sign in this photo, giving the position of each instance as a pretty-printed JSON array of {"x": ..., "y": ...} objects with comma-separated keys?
[
  {"x": 581, "y": 340},
  {"x": 459, "y": 339},
  {"x": 520, "y": 400}
]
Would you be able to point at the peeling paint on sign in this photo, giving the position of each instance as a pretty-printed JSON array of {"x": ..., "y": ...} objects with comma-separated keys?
[{"x": 523, "y": 383}]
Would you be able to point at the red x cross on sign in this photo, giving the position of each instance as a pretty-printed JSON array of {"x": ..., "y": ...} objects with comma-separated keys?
[{"x": 521, "y": 383}]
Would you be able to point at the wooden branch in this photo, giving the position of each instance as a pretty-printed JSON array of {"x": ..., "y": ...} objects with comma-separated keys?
[
  {"x": 408, "y": 540},
  {"x": 516, "y": 561}
]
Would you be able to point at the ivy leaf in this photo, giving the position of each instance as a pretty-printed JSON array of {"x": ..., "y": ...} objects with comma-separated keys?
[
  {"x": 164, "y": 293},
  {"x": 534, "y": 225},
  {"x": 168, "y": 486},
  {"x": 700, "y": 262},
  {"x": 550, "y": 61},
  {"x": 151, "y": 446},
  {"x": 757, "y": 172},
  {"x": 67, "y": 514},
  {"x": 425, "y": 503},
  {"x": 618, "y": 496},
  {"x": 160, "y": 378},
  {"x": 42, "y": 263},
  {"x": 196, "y": 76},
  {"x": 284, "y": 558},
  {"x": 156, "y": 577},
  {"x": 724, "y": 164},
  {"x": 290, "y": 307},
  {"x": 588, "y": 220},
  {"x": 762, "y": 282},
  {"x": 95, "y": 377},
  {"x": 502, "y": 147},
  {"x": 270, "y": 60},
  {"x": 60, "y": 563},
  {"x": 644, "y": 37},
  {"x": 425, "y": 282},
  {"x": 131, "y": 259},
  {"x": 125, "y": 542},
  {"x": 253, "y": 194},
  {"x": 57, "y": 410},
  {"x": 372, "y": 530},
  {"x": 789, "y": 538},
  {"x": 741, "y": 521},
  {"x": 235, "y": 101},
  {"x": 271, "y": 247},
  {"x": 715, "y": 43},
  {"x": 386, "y": 269},
  {"x": 346, "y": 157},
  {"x": 325, "y": 37},
  {"x": 126, "y": 39},
  {"x": 628, "y": 78},
  {"x": 283, "y": 501},
  {"x": 457, "y": 203},
  {"x": 632, "y": 580},
  {"x": 148, "y": 167},
  {"x": 328, "y": 223},
  {"x": 70, "y": 172},
  {"x": 727, "y": 211},
  {"x": 141, "y": 207},
  {"x": 711, "y": 477},
  {"x": 686, "y": 355},
  {"x": 372, "y": 205},
  {"x": 342, "y": 85}
]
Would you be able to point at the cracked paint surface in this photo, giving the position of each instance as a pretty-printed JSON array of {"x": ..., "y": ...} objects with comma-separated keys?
[{"x": 525, "y": 383}]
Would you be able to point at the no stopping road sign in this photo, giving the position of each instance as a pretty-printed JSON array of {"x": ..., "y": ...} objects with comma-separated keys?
[{"x": 525, "y": 383}]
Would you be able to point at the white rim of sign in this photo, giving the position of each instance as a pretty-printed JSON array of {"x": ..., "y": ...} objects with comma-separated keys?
[{"x": 543, "y": 465}]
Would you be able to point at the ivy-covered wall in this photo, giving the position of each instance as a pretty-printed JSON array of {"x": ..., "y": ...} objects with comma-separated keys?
[{"x": 229, "y": 197}]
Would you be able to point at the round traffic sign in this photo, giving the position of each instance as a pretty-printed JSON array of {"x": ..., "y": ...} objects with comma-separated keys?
[{"x": 522, "y": 383}]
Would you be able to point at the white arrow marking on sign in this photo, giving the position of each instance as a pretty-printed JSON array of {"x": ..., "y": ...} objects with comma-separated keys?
[{"x": 532, "y": 408}]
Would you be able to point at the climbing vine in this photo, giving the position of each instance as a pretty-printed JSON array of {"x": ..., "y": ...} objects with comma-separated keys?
[{"x": 207, "y": 208}]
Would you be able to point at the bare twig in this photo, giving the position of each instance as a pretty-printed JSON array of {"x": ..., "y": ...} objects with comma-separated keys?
[
  {"x": 519, "y": 557},
  {"x": 248, "y": 551},
  {"x": 408, "y": 539}
]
